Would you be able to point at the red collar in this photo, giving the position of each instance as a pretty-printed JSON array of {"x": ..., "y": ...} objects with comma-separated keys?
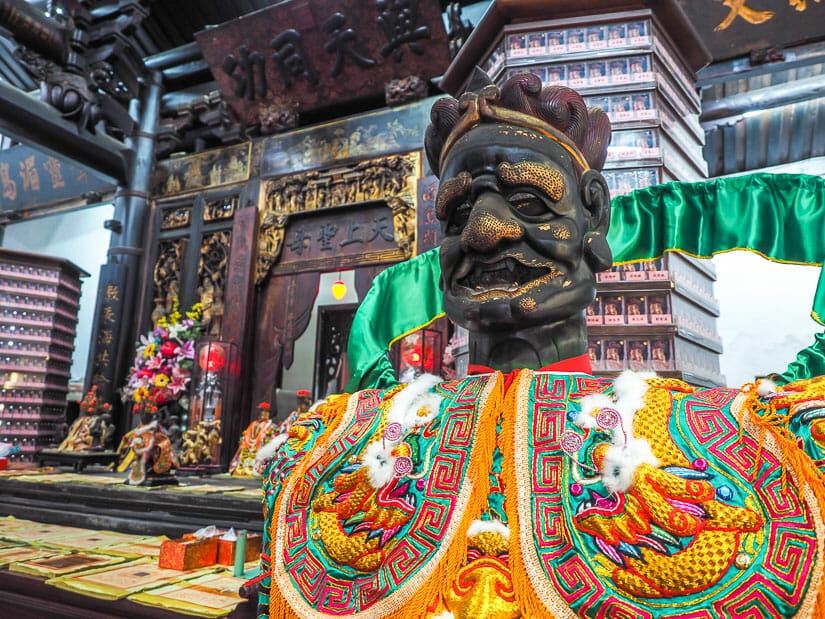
[{"x": 573, "y": 364}]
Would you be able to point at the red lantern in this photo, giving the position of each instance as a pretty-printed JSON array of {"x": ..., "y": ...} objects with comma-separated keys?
[{"x": 212, "y": 358}]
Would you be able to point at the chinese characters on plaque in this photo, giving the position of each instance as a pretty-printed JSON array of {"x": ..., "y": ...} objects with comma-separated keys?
[{"x": 301, "y": 55}]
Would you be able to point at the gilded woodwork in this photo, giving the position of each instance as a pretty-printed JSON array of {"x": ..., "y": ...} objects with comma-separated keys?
[
  {"x": 166, "y": 276},
  {"x": 391, "y": 179},
  {"x": 174, "y": 218},
  {"x": 270, "y": 242},
  {"x": 212, "y": 264},
  {"x": 220, "y": 209}
]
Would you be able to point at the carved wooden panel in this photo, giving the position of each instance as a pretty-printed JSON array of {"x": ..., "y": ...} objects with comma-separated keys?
[
  {"x": 348, "y": 230},
  {"x": 212, "y": 264},
  {"x": 175, "y": 217},
  {"x": 167, "y": 276},
  {"x": 220, "y": 209}
]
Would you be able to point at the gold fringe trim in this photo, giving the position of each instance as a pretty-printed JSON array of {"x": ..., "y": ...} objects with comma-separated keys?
[
  {"x": 423, "y": 325},
  {"x": 477, "y": 481},
  {"x": 750, "y": 250},
  {"x": 774, "y": 426},
  {"x": 526, "y": 596},
  {"x": 447, "y": 571},
  {"x": 332, "y": 413}
]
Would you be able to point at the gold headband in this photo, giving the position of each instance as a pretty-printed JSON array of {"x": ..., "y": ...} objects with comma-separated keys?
[{"x": 478, "y": 106}]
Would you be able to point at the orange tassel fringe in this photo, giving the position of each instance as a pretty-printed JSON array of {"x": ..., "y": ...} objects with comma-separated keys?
[
  {"x": 775, "y": 424},
  {"x": 446, "y": 572},
  {"x": 529, "y": 602}
]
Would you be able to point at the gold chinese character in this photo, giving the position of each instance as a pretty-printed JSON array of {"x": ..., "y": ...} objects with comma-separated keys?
[
  {"x": 112, "y": 293},
  {"x": 108, "y": 314},
  {"x": 9, "y": 186},
  {"x": 52, "y": 166},
  {"x": 105, "y": 337},
  {"x": 28, "y": 172},
  {"x": 102, "y": 358},
  {"x": 738, "y": 9}
]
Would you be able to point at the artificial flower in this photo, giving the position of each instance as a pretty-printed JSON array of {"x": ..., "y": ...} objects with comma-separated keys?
[
  {"x": 161, "y": 380},
  {"x": 168, "y": 348},
  {"x": 163, "y": 360}
]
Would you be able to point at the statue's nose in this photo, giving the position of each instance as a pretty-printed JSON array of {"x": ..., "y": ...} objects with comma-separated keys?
[{"x": 489, "y": 224}]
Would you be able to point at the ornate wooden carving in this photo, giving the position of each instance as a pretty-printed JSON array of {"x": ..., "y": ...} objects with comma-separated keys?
[
  {"x": 166, "y": 275},
  {"x": 459, "y": 30},
  {"x": 270, "y": 242},
  {"x": 214, "y": 256},
  {"x": 176, "y": 217},
  {"x": 298, "y": 55},
  {"x": 220, "y": 209},
  {"x": 390, "y": 179},
  {"x": 275, "y": 119},
  {"x": 403, "y": 223},
  {"x": 207, "y": 117},
  {"x": 207, "y": 170},
  {"x": 364, "y": 181},
  {"x": 405, "y": 90}
]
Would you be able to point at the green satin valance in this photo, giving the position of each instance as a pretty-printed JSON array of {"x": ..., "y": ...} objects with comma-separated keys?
[{"x": 779, "y": 216}]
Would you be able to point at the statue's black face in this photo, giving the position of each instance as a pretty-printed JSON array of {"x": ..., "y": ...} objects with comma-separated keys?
[{"x": 513, "y": 250}]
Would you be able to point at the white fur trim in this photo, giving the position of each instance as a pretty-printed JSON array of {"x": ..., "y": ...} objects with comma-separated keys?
[
  {"x": 380, "y": 463},
  {"x": 766, "y": 387},
  {"x": 620, "y": 463},
  {"x": 407, "y": 402},
  {"x": 488, "y": 526},
  {"x": 268, "y": 451},
  {"x": 630, "y": 388},
  {"x": 445, "y": 615},
  {"x": 586, "y": 418}
]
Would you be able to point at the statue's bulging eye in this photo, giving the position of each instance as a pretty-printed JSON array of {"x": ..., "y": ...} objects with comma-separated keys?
[{"x": 528, "y": 204}]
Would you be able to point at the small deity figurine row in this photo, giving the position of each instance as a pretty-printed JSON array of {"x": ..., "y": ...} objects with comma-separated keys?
[{"x": 261, "y": 431}]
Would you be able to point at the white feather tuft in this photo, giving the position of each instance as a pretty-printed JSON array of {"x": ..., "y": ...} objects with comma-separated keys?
[
  {"x": 766, "y": 387},
  {"x": 630, "y": 389},
  {"x": 445, "y": 615},
  {"x": 407, "y": 402},
  {"x": 488, "y": 526},
  {"x": 380, "y": 464},
  {"x": 590, "y": 405},
  {"x": 268, "y": 451},
  {"x": 620, "y": 463}
]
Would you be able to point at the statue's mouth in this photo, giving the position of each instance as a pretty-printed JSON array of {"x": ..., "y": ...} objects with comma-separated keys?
[{"x": 505, "y": 275}]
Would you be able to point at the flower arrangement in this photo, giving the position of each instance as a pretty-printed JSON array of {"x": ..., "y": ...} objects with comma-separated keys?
[{"x": 164, "y": 360}]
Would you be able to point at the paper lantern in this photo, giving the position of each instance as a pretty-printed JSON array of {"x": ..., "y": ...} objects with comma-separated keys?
[{"x": 212, "y": 358}]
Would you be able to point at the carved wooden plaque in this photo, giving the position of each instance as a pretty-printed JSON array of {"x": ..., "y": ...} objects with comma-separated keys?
[
  {"x": 338, "y": 239},
  {"x": 341, "y": 238},
  {"x": 300, "y": 55}
]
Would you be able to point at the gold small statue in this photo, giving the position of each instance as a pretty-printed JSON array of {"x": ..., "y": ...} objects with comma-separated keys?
[
  {"x": 257, "y": 434},
  {"x": 201, "y": 444}
]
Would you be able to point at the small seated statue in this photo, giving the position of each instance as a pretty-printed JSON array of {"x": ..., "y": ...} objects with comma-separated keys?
[
  {"x": 532, "y": 488},
  {"x": 151, "y": 456},
  {"x": 90, "y": 430},
  {"x": 257, "y": 434}
]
